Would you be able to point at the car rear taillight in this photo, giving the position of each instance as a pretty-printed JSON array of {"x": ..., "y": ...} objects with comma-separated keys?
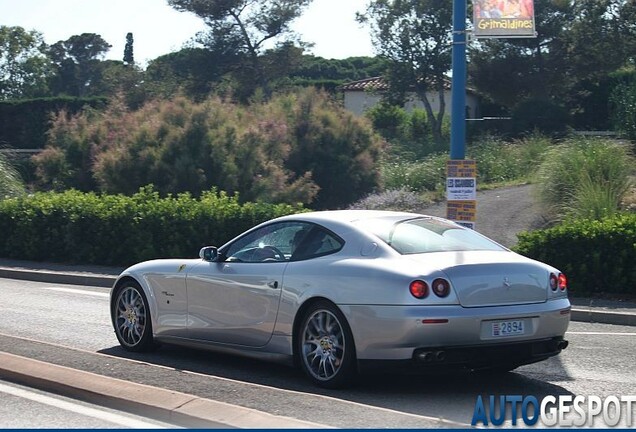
[
  {"x": 563, "y": 282},
  {"x": 418, "y": 289},
  {"x": 441, "y": 287},
  {"x": 554, "y": 282}
]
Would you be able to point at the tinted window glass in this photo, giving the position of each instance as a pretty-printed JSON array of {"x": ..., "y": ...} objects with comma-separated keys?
[
  {"x": 421, "y": 235},
  {"x": 315, "y": 242}
]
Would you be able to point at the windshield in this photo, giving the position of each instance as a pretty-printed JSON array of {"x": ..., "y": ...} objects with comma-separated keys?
[{"x": 422, "y": 235}]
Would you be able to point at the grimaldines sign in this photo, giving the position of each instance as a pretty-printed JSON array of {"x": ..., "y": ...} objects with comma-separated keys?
[{"x": 503, "y": 18}]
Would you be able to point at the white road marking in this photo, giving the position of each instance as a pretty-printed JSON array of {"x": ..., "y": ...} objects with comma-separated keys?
[
  {"x": 601, "y": 333},
  {"x": 442, "y": 421},
  {"x": 117, "y": 419},
  {"x": 79, "y": 291}
]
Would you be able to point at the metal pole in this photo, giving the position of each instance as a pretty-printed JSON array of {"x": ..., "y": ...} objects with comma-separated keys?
[{"x": 458, "y": 83}]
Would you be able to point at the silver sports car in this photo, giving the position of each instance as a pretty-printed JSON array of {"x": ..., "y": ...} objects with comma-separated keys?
[{"x": 339, "y": 292}]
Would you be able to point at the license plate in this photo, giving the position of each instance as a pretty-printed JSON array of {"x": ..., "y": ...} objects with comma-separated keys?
[{"x": 507, "y": 328}]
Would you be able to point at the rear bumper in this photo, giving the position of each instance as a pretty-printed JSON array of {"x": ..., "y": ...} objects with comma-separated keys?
[
  {"x": 472, "y": 357},
  {"x": 398, "y": 332}
]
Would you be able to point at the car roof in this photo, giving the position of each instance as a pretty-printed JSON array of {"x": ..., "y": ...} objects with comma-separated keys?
[{"x": 348, "y": 216}]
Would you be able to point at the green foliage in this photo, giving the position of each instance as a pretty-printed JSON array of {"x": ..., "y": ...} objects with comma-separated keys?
[
  {"x": 24, "y": 66},
  {"x": 243, "y": 28},
  {"x": 597, "y": 256},
  {"x": 623, "y": 102},
  {"x": 25, "y": 122},
  {"x": 500, "y": 161},
  {"x": 539, "y": 115},
  {"x": 578, "y": 45},
  {"x": 295, "y": 148},
  {"x": 77, "y": 64},
  {"x": 584, "y": 177},
  {"x": 120, "y": 230},
  {"x": 497, "y": 162},
  {"x": 414, "y": 36},
  {"x": 429, "y": 174},
  {"x": 129, "y": 56},
  {"x": 408, "y": 133},
  {"x": 10, "y": 182},
  {"x": 340, "y": 149}
]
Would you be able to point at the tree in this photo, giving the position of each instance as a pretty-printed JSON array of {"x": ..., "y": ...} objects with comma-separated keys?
[
  {"x": 244, "y": 27},
  {"x": 129, "y": 58},
  {"x": 579, "y": 45},
  {"x": 414, "y": 36},
  {"x": 23, "y": 63},
  {"x": 77, "y": 61},
  {"x": 511, "y": 70}
]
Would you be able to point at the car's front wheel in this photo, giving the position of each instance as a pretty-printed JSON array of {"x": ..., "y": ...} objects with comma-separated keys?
[
  {"x": 325, "y": 346},
  {"x": 131, "y": 317}
]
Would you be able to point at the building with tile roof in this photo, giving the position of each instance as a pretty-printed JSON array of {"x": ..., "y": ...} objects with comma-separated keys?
[{"x": 361, "y": 95}]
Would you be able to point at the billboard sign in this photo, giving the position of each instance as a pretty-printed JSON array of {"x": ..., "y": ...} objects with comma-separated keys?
[{"x": 503, "y": 18}]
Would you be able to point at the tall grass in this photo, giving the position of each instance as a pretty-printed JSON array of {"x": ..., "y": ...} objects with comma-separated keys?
[
  {"x": 10, "y": 182},
  {"x": 585, "y": 177},
  {"x": 497, "y": 162}
]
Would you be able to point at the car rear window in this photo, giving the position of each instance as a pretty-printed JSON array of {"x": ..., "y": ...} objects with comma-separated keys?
[{"x": 422, "y": 235}]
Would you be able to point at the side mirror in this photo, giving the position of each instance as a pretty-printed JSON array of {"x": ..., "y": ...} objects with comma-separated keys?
[{"x": 209, "y": 253}]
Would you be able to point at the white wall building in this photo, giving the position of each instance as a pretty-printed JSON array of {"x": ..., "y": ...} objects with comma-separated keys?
[{"x": 361, "y": 95}]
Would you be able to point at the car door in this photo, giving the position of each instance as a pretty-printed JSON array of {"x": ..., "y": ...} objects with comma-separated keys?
[{"x": 235, "y": 299}]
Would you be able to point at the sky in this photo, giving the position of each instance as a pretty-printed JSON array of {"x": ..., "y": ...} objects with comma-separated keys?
[{"x": 159, "y": 29}]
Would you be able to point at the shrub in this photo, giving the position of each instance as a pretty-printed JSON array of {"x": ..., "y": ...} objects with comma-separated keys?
[
  {"x": 394, "y": 199},
  {"x": 597, "y": 256},
  {"x": 408, "y": 133},
  {"x": 584, "y": 177},
  {"x": 118, "y": 230},
  {"x": 623, "y": 108},
  {"x": 294, "y": 148}
]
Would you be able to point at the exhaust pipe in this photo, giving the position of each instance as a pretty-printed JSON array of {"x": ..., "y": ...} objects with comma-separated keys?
[
  {"x": 432, "y": 356},
  {"x": 563, "y": 344}
]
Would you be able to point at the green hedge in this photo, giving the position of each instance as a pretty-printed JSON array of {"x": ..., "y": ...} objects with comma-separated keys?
[
  {"x": 25, "y": 123},
  {"x": 597, "y": 256},
  {"x": 76, "y": 227}
]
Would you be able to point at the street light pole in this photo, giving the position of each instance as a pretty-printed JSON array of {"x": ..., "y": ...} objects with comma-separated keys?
[{"x": 458, "y": 83}]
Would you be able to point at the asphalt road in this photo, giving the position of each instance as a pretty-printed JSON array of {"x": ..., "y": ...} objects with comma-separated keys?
[{"x": 69, "y": 326}]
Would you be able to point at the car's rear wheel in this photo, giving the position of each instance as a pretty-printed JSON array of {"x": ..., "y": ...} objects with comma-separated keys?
[
  {"x": 131, "y": 317},
  {"x": 325, "y": 346}
]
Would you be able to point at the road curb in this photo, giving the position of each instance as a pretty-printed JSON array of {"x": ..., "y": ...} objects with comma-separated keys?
[
  {"x": 160, "y": 404},
  {"x": 603, "y": 317},
  {"x": 86, "y": 279}
]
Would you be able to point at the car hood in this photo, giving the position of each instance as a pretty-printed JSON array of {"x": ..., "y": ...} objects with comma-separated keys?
[{"x": 491, "y": 278}]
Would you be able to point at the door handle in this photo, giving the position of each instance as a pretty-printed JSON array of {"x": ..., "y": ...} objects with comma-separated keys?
[{"x": 273, "y": 284}]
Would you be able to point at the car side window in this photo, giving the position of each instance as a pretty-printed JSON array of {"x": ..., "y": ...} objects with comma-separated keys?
[
  {"x": 316, "y": 242},
  {"x": 271, "y": 243}
]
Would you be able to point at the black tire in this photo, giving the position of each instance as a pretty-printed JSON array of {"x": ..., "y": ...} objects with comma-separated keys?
[
  {"x": 325, "y": 346},
  {"x": 130, "y": 315}
]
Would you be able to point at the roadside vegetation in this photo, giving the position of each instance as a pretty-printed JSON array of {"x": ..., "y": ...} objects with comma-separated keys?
[
  {"x": 134, "y": 155},
  {"x": 11, "y": 183}
]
